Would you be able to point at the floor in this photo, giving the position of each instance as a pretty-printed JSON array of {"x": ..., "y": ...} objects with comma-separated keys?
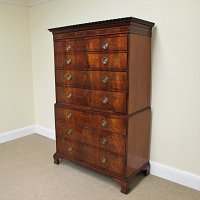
[{"x": 27, "y": 172}]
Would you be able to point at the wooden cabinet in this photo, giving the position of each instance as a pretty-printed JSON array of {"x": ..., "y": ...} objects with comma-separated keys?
[{"x": 102, "y": 110}]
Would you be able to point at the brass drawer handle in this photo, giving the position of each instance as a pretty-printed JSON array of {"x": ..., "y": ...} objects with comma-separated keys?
[
  {"x": 68, "y": 48},
  {"x": 69, "y": 148},
  {"x": 104, "y": 141},
  {"x": 69, "y": 116},
  {"x": 105, "y": 45},
  {"x": 104, "y": 160},
  {"x": 69, "y": 96},
  {"x": 104, "y": 123},
  {"x": 69, "y": 131},
  {"x": 69, "y": 61},
  {"x": 105, "y": 79},
  {"x": 69, "y": 77},
  {"x": 105, "y": 100},
  {"x": 105, "y": 60}
]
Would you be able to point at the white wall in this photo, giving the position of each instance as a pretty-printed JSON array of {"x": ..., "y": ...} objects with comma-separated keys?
[
  {"x": 175, "y": 68},
  {"x": 16, "y": 86}
]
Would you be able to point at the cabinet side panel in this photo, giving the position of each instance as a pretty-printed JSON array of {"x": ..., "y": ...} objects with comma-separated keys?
[
  {"x": 138, "y": 141},
  {"x": 139, "y": 60}
]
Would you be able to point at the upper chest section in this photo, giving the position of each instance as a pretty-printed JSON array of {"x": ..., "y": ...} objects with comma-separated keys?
[{"x": 109, "y": 27}]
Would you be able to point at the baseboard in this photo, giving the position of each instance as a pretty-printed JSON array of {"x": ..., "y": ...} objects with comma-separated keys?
[
  {"x": 41, "y": 130},
  {"x": 17, "y": 133},
  {"x": 175, "y": 175},
  {"x": 157, "y": 169}
]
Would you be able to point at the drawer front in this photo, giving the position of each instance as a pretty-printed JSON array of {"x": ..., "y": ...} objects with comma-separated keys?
[
  {"x": 103, "y": 159},
  {"x": 94, "y": 156},
  {"x": 92, "y": 79},
  {"x": 69, "y": 46},
  {"x": 112, "y": 101},
  {"x": 107, "y": 43},
  {"x": 72, "y": 61},
  {"x": 114, "y": 61},
  {"x": 67, "y": 148},
  {"x": 108, "y": 141},
  {"x": 109, "y": 101},
  {"x": 108, "y": 123},
  {"x": 73, "y": 96}
]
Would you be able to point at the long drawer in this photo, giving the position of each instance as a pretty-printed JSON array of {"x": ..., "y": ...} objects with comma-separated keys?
[
  {"x": 94, "y": 156},
  {"x": 92, "y": 79},
  {"x": 108, "y": 141},
  {"x": 104, "y": 100},
  {"x": 93, "y": 61},
  {"x": 104, "y": 122}
]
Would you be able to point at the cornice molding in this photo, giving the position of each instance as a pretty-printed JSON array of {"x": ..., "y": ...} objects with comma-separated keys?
[{"x": 24, "y": 3}]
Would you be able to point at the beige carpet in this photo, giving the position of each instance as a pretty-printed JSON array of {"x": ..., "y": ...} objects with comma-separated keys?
[{"x": 27, "y": 172}]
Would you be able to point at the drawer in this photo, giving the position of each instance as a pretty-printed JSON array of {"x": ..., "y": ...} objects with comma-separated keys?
[
  {"x": 106, "y": 43},
  {"x": 107, "y": 122},
  {"x": 103, "y": 159},
  {"x": 108, "y": 141},
  {"x": 69, "y": 46},
  {"x": 92, "y": 79},
  {"x": 110, "y": 61},
  {"x": 94, "y": 156},
  {"x": 104, "y": 100},
  {"x": 67, "y": 148},
  {"x": 72, "y": 61}
]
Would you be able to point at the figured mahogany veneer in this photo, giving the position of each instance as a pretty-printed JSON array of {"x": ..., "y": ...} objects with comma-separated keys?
[
  {"x": 85, "y": 153},
  {"x": 91, "y": 61},
  {"x": 92, "y": 79},
  {"x": 70, "y": 46},
  {"x": 102, "y": 110},
  {"x": 87, "y": 118},
  {"x": 115, "y": 43},
  {"x": 117, "y": 61},
  {"x": 94, "y": 137},
  {"x": 93, "y": 98}
]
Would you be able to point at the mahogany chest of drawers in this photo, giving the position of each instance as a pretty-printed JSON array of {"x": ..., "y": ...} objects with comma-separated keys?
[{"x": 102, "y": 110}]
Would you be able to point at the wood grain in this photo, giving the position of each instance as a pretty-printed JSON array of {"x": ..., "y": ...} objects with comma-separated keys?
[
  {"x": 138, "y": 141},
  {"x": 78, "y": 61},
  {"x": 109, "y": 141},
  {"x": 139, "y": 72},
  {"x": 93, "y": 98},
  {"x": 114, "y": 43},
  {"x": 89, "y": 118},
  {"x": 102, "y": 110},
  {"x": 90, "y": 155},
  {"x": 120, "y": 25},
  {"x": 117, "y": 81},
  {"x": 70, "y": 46},
  {"x": 116, "y": 61}
]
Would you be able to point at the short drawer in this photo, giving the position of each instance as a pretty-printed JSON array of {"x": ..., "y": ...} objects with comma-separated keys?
[
  {"x": 92, "y": 79},
  {"x": 84, "y": 118},
  {"x": 110, "y": 61},
  {"x": 68, "y": 148},
  {"x": 105, "y": 43},
  {"x": 91, "y": 155},
  {"x": 103, "y": 100},
  {"x": 108, "y": 141},
  {"x": 72, "y": 61},
  {"x": 70, "y": 46}
]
